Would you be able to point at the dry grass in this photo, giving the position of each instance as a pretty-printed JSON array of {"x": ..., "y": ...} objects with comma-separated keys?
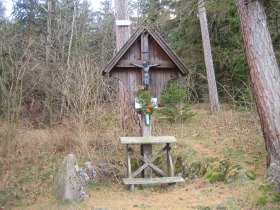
[{"x": 27, "y": 174}]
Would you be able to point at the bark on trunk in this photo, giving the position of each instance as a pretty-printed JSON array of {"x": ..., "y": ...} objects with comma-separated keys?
[
  {"x": 122, "y": 31},
  {"x": 264, "y": 73},
  {"x": 122, "y": 35},
  {"x": 49, "y": 32},
  {"x": 212, "y": 86}
]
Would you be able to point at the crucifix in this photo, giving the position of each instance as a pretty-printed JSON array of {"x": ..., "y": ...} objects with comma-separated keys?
[{"x": 146, "y": 74}]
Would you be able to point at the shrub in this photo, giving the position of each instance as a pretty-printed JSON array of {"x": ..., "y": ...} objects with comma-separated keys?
[{"x": 176, "y": 106}]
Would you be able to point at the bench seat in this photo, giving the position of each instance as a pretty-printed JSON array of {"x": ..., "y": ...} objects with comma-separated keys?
[
  {"x": 148, "y": 140},
  {"x": 161, "y": 180}
]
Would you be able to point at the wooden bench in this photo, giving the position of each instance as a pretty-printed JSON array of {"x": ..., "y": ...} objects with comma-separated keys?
[{"x": 148, "y": 160}]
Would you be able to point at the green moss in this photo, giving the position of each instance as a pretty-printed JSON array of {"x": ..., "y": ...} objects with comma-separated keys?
[
  {"x": 9, "y": 196},
  {"x": 276, "y": 198},
  {"x": 251, "y": 175},
  {"x": 265, "y": 188},
  {"x": 217, "y": 170},
  {"x": 261, "y": 201}
]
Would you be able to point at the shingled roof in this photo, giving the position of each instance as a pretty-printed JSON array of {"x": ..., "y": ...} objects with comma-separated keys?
[{"x": 145, "y": 28}]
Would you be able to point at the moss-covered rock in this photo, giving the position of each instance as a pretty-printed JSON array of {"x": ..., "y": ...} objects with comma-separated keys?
[{"x": 217, "y": 170}]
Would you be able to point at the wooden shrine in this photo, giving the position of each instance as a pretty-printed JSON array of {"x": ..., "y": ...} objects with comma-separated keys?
[
  {"x": 146, "y": 60},
  {"x": 145, "y": 45}
]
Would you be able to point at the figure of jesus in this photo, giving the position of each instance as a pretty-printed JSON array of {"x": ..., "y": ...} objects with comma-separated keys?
[{"x": 146, "y": 74}]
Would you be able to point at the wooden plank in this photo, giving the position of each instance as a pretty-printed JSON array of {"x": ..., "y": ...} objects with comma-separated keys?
[
  {"x": 156, "y": 169},
  {"x": 144, "y": 42},
  {"x": 127, "y": 64},
  {"x": 139, "y": 170},
  {"x": 159, "y": 153},
  {"x": 161, "y": 180},
  {"x": 148, "y": 140},
  {"x": 145, "y": 46},
  {"x": 140, "y": 157}
]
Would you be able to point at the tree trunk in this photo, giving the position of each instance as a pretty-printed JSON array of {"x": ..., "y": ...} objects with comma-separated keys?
[
  {"x": 212, "y": 86},
  {"x": 49, "y": 32},
  {"x": 122, "y": 35},
  {"x": 122, "y": 30},
  {"x": 49, "y": 74},
  {"x": 265, "y": 77},
  {"x": 67, "y": 73}
]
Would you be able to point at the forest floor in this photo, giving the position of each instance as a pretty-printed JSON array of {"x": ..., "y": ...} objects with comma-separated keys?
[{"x": 27, "y": 174}]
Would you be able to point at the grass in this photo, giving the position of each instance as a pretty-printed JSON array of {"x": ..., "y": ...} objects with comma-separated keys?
[{"x": 27, "y": 174}]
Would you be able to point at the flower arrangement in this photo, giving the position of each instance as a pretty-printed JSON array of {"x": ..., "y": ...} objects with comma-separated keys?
[{"x": 147, "y": 105}]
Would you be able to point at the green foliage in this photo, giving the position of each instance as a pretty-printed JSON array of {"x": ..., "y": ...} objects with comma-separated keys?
[
  {"x": 260, "y": 201},
  {"x": 10, "y": 195},
  {"x": 217, "y": 170},
  {"x": 184, "y": 36},
  {"x": 276, "y": 198},
  {"x": 251, "y": 175},
  {"x": 175, "y": 103},
  {"x": 144, "y": 98}
]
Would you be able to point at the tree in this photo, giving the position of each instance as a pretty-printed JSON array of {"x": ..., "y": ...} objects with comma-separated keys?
[
  {"x": 212, "y": 87},
  {"x": 2, "y": 9},
  {"x": 265, "y": 77},
  {"x": 29, "y": 15}
]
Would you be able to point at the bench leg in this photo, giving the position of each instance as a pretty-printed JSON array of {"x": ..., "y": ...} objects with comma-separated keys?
[
  {"x": 170, "y": 166},
  {"x": 128, "y": 151}
]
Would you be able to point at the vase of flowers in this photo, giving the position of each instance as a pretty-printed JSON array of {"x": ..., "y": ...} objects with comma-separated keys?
[{"x": 147, "y": 105}]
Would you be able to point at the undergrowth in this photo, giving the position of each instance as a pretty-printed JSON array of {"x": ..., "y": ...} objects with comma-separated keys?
[{"x": 27, "y": 173}]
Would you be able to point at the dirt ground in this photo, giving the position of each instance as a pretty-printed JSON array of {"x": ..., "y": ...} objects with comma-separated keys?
[{"x": 196, "y": 195}]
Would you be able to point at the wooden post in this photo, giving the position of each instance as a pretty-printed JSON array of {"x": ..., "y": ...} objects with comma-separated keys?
[
  {"x": 122, "y": 35},
  {"x": 146, "y": 149}
]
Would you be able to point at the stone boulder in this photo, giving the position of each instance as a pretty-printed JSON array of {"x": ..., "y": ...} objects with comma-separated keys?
[
  {"x": 90, "y": 171},
  {"x": 69, "y": 182}
]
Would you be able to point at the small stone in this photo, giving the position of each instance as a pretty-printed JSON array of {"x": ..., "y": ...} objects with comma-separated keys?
[
  {"x": 220, "y": 206},
  {"x": 90, "y": 171}
]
